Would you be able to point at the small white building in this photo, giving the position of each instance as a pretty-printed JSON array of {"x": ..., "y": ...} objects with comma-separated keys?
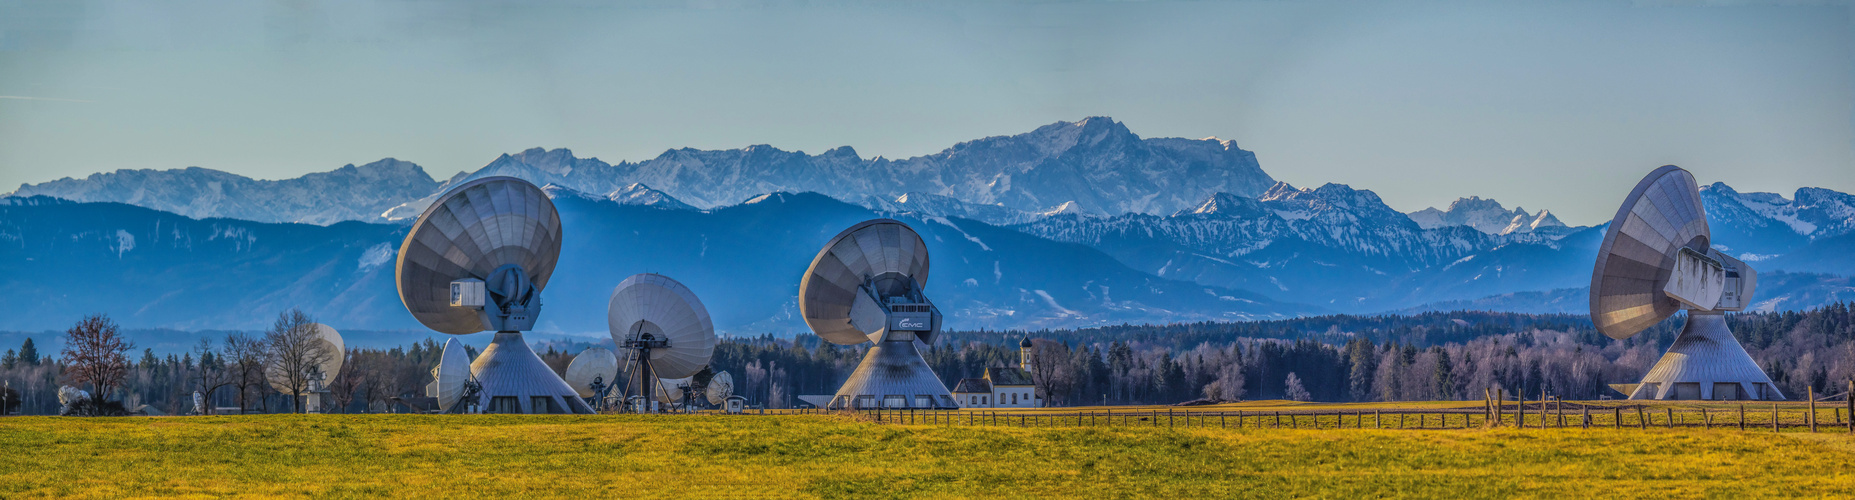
[{"x": 1001, "y": 387}]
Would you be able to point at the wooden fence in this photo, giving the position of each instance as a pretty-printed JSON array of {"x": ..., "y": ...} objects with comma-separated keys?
[{"x": 1551, "y": 413}]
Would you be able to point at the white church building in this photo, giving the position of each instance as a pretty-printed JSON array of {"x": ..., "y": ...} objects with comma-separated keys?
[{"x": 1002, "y": 387}]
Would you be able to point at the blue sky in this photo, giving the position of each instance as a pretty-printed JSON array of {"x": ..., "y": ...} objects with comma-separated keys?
[{"x": 1560, "y": 106}]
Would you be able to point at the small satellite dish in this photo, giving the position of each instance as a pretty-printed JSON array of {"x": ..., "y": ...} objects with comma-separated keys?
[
  {"x": 1657, "y": 259},
  {"x": 595, "y": 363},
  {"x": 866, "y": 285},
  {"x": 329, "y": 367},
  {"x": 477, "y": 259},
  {"x": 663, "y": 325},
  {"x": 450, "y": 376},
  {"x": 720, "y": 387},
  {"x": 670, "y": 390}
]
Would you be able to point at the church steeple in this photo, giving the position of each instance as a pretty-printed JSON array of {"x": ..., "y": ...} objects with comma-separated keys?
[{"x": 1024, "y": 354}]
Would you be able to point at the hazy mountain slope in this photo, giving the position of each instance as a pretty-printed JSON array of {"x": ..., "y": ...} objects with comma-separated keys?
[
  {"x": 148, "y": 268},
  {"x": 1332, "y": 246},
  {"x": 1777, "y": 291}
]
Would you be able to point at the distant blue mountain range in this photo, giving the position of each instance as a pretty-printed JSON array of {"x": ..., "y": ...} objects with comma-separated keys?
[{"x": 1073, "y": 224}]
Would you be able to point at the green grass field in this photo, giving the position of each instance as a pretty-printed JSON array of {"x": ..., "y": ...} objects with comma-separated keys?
[{"x": 835, "y": 456}]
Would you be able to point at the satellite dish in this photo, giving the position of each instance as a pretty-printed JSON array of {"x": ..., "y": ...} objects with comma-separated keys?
[
  {"x": 1657, "y": 259},
  {"x": 866, "y": 286},
  {"x": 720, "y": 387},
  {"x": 663, "y": 325},
  {"x": 450, "y": 376},
  {"x": 670, "y": 390},
  {"x": 477, "y": 259},
  {"x": 595, "y": 363},
  {"x": 328, "y": 368}
]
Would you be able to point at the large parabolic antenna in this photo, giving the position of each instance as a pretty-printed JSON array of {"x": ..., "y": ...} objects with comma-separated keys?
[
  {"x": 664, "y": 329},
  {"x": 1657, "y": 259},
  {"x": 477, "y": 260},
  {"x": 866, "y": 286}
]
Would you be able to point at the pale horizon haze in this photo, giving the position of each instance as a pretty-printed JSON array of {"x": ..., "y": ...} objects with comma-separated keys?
[{"x": 1560, "y": 106}]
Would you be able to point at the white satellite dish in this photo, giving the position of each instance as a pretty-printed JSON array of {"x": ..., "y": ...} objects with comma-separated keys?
[
  {"x": 597, "y": 362},
  {"x": 1657, "y": 259},
  {"x": 670, "y": 390},
  {"x": 720, "y": 387},
  {"x": 866, "y": 285},
  {"x": 477, "y": 259},
  {"x": 450, "y": 376},
  {"x": 664, "y": 328},
  {"x": 329, "y": 367}
]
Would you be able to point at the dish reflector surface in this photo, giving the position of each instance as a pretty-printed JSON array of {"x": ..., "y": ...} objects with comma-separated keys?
[
  {"x": 331, "y": 367},
  {"x": 720, "y": 387},
  {"x": 667, "y": 310},
  {"x": 452, "y": 371},
  {"x": 868, "y": 249},
  {"x": 597, "y": 362},
  {"x": 469, "y": 232},
  {"x": 1661, "y": 215}
]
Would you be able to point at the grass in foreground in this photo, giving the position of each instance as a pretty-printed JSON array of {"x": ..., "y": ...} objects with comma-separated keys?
[{"x": 827, "y": 456}]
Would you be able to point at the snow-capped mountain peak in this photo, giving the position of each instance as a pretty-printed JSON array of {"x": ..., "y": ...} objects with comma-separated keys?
[
  {"x": 1485, "y": 215},
  {"x": 639, "y": 194}
]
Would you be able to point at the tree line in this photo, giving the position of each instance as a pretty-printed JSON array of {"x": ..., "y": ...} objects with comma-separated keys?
[{"x": 1430, "y": 356}]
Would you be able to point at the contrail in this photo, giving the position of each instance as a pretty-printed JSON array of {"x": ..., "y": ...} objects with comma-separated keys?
[{"x": 30, "y": 98}]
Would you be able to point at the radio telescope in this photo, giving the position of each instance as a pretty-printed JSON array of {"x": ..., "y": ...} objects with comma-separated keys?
[
  {"x": 1657, "y": 258},
  {"x": 865, "y": 286},
  {"x": 477, "y": 260},
  {"x": 592, "y": 372},
  {"x": 664, "y": 329},
  {"x": 720, "y": 387},
  {"x": 316, "y": 377},
  {"x": 670, "y": 390},
  {"x": 451, "y": 382}
]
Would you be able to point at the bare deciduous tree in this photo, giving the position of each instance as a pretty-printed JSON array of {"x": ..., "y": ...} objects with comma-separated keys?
[
  {"x": 94, "y": 353},
  {"x": 293, "y": 352},
  {"x": 341, "y": 389},
  {"x": 212, "y": 374},
  {"x": 244, "y": 362}
]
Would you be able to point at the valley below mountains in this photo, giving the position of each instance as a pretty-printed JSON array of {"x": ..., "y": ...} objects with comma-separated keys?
[{"x": 1073, "y": 224}]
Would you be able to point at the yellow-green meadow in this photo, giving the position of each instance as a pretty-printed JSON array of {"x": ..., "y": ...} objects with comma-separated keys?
[{"x": 837, "y": 456}]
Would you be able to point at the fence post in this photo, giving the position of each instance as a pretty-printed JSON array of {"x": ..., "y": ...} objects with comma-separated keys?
[
  {"x": 1705, "y": 423},
  {"x": 1500, "y": 408},
  {"x": 1586, "y": 418},
  {"x": 1851, "y": 398},
  {"x": 1521, "y": 401},
  {"x": 1774, "y": 417},
  {"x": 1742, "y": 416},
  {"x": 1811, "y": 392},
  {"x": 1616, "y": 418},
  {"x": 1378, "y": 419},
  {"x": 1642, "y": 419},
  {"x": 1671, "y": 418},
  {"x": 1487, "y": 405}
]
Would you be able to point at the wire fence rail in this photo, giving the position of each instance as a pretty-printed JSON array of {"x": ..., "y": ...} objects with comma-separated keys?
[{"x": 1810, "y": 415}]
